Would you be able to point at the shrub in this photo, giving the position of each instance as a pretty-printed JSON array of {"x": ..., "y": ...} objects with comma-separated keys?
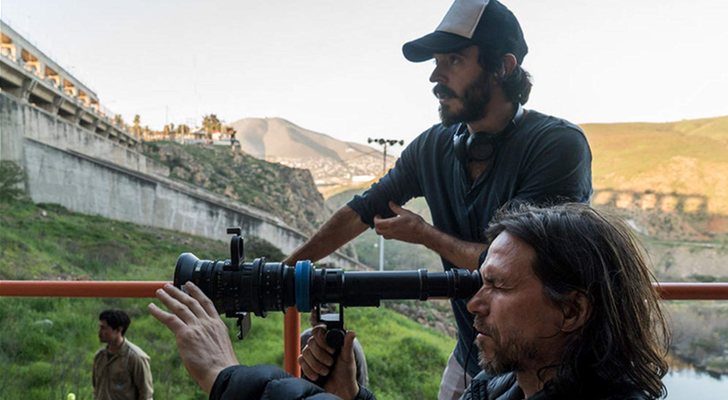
[{"x": 11, "y": 176}]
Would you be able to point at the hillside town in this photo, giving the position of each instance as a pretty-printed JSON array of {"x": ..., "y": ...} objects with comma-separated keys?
[{"x": 211, "y": 131}]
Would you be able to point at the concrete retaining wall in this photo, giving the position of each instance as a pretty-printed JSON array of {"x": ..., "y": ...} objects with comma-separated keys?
[
  {"x": 73, "y": 167},
  {"x": 11, "y": 131},
  {"x": 21, "y": 120}
]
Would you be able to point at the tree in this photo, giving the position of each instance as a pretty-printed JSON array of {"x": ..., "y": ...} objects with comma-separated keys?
[
  {"x": 11, "y": 176},
  {"x": 136, "y": 128},
  {"x": 169, "y": 132},
  {"x": 183, "y": 129},
  {"x": 210, "y": 123}
]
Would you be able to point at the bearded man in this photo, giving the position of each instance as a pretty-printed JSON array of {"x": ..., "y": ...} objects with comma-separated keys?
[
  {"x": 567, "y": 310},
  {"x": 487, "y": 151}
]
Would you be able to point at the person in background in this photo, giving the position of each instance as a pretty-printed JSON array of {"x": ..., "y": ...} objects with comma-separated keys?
[{"x": 121, "y": 369}]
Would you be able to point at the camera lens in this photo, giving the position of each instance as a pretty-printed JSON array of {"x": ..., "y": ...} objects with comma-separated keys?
[
  {"x": 259, "y": 287},
  {"x": 256, "y": 287}
]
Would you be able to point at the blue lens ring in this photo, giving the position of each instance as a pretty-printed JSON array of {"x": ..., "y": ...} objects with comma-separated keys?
[{"x": 304, "y": 269}]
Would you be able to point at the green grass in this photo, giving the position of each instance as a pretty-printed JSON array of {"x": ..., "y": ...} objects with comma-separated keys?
[{"x": 47, "y": 344}]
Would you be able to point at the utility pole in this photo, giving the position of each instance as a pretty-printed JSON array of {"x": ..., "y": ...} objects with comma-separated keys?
[{"x": 384, "y": 143}]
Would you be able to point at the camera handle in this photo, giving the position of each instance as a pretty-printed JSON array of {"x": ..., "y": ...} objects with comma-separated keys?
[{"x": 335, "y": 333}]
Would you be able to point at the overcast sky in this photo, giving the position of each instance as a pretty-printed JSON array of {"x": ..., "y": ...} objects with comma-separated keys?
[{"x": 335, "y": 66}]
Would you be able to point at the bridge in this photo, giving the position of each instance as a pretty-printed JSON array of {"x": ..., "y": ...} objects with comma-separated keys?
[
  {"x": 75, "y": 155},
  {"x": 31, "y": 76},
  {"x": 649, "y": 200}
]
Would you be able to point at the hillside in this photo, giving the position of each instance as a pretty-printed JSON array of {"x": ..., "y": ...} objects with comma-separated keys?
[
  {"x": 332, "y": 162},
  {"x": 288, "y": 193},
  {"x": 683, "y": 163},
  {"x": 669, "y": 180},
  {"x": 47, "y": 344},
  {"x": 687, "y": 160}
]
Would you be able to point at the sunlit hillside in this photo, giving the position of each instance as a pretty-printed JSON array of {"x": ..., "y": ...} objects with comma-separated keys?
[{"x": 686, "y": 158}]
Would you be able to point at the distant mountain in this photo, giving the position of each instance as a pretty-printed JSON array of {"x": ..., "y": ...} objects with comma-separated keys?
[{"x": 333, "y": 163}]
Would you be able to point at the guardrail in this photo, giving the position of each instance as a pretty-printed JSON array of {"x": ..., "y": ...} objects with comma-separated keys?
[
  {"x": 107, "y": 289},
  {"x": 113, "y": 289}
]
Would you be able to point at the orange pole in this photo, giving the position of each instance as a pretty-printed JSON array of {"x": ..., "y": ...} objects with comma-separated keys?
[
  {"x": 292, "y": 320},
  {"x": 667, "y": 290},
  {"x": 292, "y": 341},
  {"x": 692, "y": 291},
  {"x": 80, "y": 288}
]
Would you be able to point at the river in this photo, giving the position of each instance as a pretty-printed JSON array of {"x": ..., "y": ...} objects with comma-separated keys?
[{"x": 690, "y": 384}]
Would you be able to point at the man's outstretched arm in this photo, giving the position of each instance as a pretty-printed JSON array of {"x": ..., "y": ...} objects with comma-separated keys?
[
  {"x": 204, "y": 346},
  {"x": 410, "y": 227},
  {"x": 341, "y": 228}
]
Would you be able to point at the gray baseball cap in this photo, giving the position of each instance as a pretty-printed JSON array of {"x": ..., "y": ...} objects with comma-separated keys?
[{"x": 486, "y": 23}]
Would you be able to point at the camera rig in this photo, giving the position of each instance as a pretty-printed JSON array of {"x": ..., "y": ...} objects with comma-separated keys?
[{"x": 239, "y": 288}]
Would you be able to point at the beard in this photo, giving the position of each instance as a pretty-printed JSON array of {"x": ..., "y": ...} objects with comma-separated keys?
[
  {"x": 474, "y": 99},
  {"x": 508, "y": 353}
]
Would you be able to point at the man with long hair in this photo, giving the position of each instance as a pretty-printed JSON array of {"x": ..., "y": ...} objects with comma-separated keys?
[
  {"x": 567, "y": 310},
  {"x": 488, "y": 150}
]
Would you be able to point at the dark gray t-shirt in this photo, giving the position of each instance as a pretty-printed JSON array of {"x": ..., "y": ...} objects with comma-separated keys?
[{"x": 543, "y": 159}]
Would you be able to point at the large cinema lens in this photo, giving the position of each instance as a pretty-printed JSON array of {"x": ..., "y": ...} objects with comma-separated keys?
[
  {"x": 259, "y": 287},
  {"x": 255, "y": 287}
]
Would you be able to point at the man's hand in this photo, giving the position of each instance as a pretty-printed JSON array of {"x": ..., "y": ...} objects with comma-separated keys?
[
  {"x": 406, "y": 226},
  {"x": 317, "y": 360},
  {"x": 202, "y": 337},
  {"x": 410, "y": 227}
]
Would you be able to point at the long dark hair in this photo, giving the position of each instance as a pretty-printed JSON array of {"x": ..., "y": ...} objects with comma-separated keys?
[{"x": 625, "y": 337}]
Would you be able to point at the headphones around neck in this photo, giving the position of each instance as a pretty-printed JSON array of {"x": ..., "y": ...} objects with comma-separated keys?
[
  {"x": 481, "y": 146},
  {"x": 474, "y": 147}
]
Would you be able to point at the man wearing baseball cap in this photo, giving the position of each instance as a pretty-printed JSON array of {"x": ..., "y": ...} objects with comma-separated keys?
[{"x": 487, "y": 151}]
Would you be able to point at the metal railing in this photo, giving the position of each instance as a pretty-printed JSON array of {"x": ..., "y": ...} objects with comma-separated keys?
[{"x": 140, "y": 289}]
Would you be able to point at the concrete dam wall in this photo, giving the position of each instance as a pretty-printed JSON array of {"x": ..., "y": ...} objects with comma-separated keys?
[{"x": 92, "y": 173}]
